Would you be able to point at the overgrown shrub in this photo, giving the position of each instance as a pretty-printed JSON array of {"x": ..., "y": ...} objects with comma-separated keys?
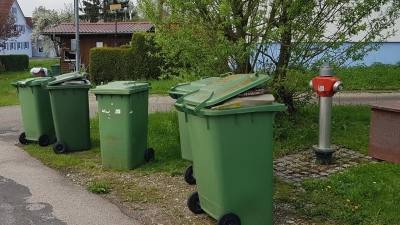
[
  {"x": 137, "y": 62},
  {"x": 15, "y": 62}
]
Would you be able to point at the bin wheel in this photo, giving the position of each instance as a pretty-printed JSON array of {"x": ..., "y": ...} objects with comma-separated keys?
[
  {"x": 149, "y": 154},
  {"x": 229, "y": 219},
  {"x": 193, "y": 203},
  {"x": 60, "y": 147},
  {"x": 44, "y": 140},
  {"x": 22, "y": 139},
  {"x": 188, "y": 175}
]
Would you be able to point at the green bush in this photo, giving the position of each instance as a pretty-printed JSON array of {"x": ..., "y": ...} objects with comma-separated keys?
[
  {"x": 136, "y": 62},
  {"x": 144, "y": 48},
  {"x": 109, "y": 64},
  {"x": 15, "y": 62}
]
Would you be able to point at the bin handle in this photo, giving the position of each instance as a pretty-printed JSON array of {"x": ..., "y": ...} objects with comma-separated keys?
[
  {"x": 254, "y": 76},
  {"x": 135, "y": 82},
  {"x": 226, "y": 74}
]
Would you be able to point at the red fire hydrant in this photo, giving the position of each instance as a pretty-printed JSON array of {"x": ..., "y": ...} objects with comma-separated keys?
[{"x": 326, "y": 85}]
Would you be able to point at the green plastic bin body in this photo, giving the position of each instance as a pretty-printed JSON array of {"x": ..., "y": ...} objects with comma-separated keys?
[
  {"x": 232, "y": 150},
  {"x": 70, "y": 106},
  {"x": 36, "y": 112},
  {"x": 55, "y": 69},
  {"x": 233, "y": 160},
  {"x": 123, "y": 123},
  {"x": 177, "y": 92}
]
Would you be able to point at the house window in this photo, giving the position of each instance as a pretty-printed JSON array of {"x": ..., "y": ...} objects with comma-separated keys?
[
  {"x": 40, "y": 49},
  {"x": 14, "y": 10},
  {"x": 19, "y": 45},
  {"x": 99, "y": 44},
  {"x": 13, "y": 45},
  {"x": 69, "y": 56},
  {"x": 26, "y": 45}
]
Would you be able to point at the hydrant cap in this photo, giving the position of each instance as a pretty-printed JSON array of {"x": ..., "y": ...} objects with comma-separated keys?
[{"x": 326, "y": 70}]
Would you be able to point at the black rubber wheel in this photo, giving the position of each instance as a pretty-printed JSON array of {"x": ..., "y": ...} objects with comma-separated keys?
[
  {"x": 188, "y": 175},
  {"x": 22, "y": 139},
  {"x": 193, "y": 203},
  {"x": 60, "y": 147},
  {"x": 229, "y": 219},
  {"x": 149, "y": 154},
  {"x": 44, "y": 140}
]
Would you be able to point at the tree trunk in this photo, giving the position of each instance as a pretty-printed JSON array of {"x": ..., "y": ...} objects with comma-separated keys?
[{"x": 283, "y": 62}]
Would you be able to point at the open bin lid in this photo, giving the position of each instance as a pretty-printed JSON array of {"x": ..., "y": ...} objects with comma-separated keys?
[
  {"x": 224, "y": 89},
  {"x": 185, "y": 88},
  {"x": 67, "y": 81},
  {"x": 121, "y": 88},
  {"x": 219, "y": 91},
  {"x": 75, "y": 76},
  {"x": 37, "y": 81}
]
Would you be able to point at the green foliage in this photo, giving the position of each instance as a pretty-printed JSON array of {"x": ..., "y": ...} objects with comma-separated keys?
[
  {"x": 144, "y": 49},
  {"x": 15, "y": 62},
  {"x": 126, "y": 63},
  {"x": 99, "y": 188},
  {"x": 200, "y": 38},
  {"x": 109, "y": 64}
]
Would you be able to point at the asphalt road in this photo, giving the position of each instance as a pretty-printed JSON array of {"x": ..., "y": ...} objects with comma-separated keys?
[{"x": 31, "y": 193}]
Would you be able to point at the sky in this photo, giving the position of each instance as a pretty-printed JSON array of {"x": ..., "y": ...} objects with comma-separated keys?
[{"x": 28, "y": 6}]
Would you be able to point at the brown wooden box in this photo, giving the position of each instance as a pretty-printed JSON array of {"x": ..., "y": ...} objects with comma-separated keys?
[
  {"x": 39, "y": 74},
  {"x": 384, "y": 140}
]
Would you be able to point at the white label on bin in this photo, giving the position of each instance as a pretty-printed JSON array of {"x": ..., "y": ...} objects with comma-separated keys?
[
  {"x": 105, "y": 111},
  {"x": 131, "y": 112},
  {"x": 118, "y": 111}
]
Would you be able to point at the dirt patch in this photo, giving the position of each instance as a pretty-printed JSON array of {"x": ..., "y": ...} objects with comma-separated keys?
[{"x": 161, "y": 199}]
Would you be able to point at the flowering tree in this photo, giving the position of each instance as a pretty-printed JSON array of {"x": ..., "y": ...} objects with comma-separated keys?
[
  {"x": 44, "y": 19},
  {"x": 8, "y": 27}
]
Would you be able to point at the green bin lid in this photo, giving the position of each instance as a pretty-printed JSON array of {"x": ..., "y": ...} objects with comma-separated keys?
[
  {"x": 185, "y": 88},
  {"x": 223, "y": 89},
  {"x": 66, "y": 77},
  {"x": 121, "y": 88},
  {"x": 73, "y": 80},
  {"x": 37, "y": 81}
]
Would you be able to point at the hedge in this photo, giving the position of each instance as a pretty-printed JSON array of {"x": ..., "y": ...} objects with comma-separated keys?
[
  {"x": 132, "y": 63},
  {"x": 15, "y": 62}
]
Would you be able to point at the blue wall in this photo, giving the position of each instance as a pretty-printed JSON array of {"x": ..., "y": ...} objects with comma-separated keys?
[{"x": 388, "y": 53}]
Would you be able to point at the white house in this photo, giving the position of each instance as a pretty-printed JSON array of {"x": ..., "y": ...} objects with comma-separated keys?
[{"x": 22, "y": 44}]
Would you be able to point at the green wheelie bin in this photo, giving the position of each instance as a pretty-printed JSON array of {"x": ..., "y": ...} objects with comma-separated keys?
[
  {"x": 232, "y": 150},
  {"x": 70, "y": 106},
  {"x": 186, "y": 151},
  {"x": 36, "y": 113},
  {"x": 123, "y": 123}
]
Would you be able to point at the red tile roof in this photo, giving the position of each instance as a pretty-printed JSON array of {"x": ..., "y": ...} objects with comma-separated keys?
[
  {"x": 101, "y": 28},
  {"x": 29, "y": 21},
  {"x": 5, "y": 6}
]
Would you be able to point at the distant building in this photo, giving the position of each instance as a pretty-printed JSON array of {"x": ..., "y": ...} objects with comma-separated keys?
[{"x": 22, "y": 44}]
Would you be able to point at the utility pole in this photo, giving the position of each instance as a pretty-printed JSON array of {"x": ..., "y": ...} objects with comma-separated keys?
[
  {"x": 115, "y": 7},
  {"x": 77, "y": 52}
]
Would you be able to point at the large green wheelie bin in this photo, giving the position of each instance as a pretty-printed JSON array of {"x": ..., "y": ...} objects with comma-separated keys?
[
  {"x": 186, "y": 151},
  {"x": 232, "y": 151},
  {"x": 70, "y": 106},
  {"x": 36, "y": 113},
  {"x": 123, "y": 123}
]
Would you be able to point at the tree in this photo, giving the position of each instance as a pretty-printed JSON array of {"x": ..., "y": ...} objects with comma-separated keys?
[
  {"x": 44, "y": 19},
  {"x": 8, "y": 28},
  {"x": 91, "y": 10},
  {"x": 284, "y": 37}
]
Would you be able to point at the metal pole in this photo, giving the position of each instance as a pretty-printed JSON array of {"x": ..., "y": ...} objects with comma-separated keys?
[
  {"x": 78, "y": 52},
  {"x": 115, "y": 28},
  {"x": 325, "y": 115}
]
